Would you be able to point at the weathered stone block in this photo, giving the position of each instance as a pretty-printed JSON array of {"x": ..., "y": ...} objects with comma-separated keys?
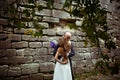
[
  {"x": 29, "y": 38},
  {"x": 5, "y": 44},
  {"x": 25, "y": 78},
  {"x": 20, "y": 52},
  {"x": 3, "y": 70},
  {"x": 78, "y": 56},
  {"x": 10, "y": 52},
  {"x": 14, "y": 37},
  {"x": 8, "y": 30},
  {"x": 22, "y": 44},
  {"x": 12, "y": 60},
  {"x": 43, "y": 38},
  {"x": 1, "y": 28},
  {"x": 29, "y": 52},
  {"x": 87, "y": 55},
  {"x": 46, "y": 25},
  {"x": 30, "y": 68},
  {"x": 44, "y": 12},
  {"x": 59, "y": 1},
  {"x": 48, "y": 76},
  {"x": 3, "y": 36},
  {"x": 58, "y": 6},
  {"x": 43, "y": 58},
  {"x": 2, "y": 53},
  {"x": 16, "y": 60},
  {"x": 43, "y": 3},
  {"x": 14, "y": 71},
  {"x": 79, "y": 71},
  {"x": 61, "y": 14},
  {"x": 28, "y": 59},
  {"x": 46, "y": 67},
  {"x": 3, "y": 21},
  {"x": 35, "y": 44},
  {"x": 78, "y": 23},
  {"x": 51, "y": 19},
  {"x": 46, "y": 44},
  {"x": 41, "y": 51},
  {"x": 22, "y": 30},
  {"x": 79, "y": 44},
  {"x": 49, "y": 32},
  {"x": 38, "y": 76},
  {"x": 94, "y": 55}
]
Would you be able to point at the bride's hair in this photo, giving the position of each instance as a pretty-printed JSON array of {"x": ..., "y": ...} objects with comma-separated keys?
[{"x": 64, "y": 47}]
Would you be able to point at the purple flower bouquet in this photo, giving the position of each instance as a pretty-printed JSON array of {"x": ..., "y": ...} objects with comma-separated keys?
[{"x": 53, "y": 44}]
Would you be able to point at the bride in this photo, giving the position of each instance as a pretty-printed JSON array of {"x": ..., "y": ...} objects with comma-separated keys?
[{"x": 62, "y": 69}]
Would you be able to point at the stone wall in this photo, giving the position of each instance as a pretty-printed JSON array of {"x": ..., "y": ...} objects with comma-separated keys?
[{"x": 25, "y": 57}]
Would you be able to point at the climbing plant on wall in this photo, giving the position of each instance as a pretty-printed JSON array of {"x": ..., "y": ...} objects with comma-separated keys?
[
  {"x": 94, "y": 25},
  {"x": 23, "y": 15},
  {"x": 94, "y": 20}
]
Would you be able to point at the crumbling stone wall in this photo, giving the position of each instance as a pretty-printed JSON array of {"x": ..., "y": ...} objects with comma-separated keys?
[{"x": 25, "y": 57}]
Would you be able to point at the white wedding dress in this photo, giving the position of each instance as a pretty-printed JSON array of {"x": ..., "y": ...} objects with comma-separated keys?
[{"x": 62, "y": 71}]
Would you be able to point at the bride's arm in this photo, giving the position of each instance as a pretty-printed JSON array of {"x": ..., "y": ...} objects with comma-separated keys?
[{"x": 56, "y": 57}]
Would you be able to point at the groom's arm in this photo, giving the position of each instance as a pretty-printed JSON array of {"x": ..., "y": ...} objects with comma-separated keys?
[{"x": 72, "y": 53}]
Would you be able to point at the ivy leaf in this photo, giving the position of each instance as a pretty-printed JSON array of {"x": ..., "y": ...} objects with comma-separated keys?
[
  {"x": 110, "y": 44},
  {"x": 40, "y": 8},
  {"x": 26, "y": 12},
  {"x": 30, "y": 1}
]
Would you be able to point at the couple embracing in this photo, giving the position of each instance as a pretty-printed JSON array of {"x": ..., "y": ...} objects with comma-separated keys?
[{"x": 62, "y": 55}]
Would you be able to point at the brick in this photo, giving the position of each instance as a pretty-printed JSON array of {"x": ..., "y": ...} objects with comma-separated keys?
[
  {"x": 3, "y": 70},
  {"x": 22, "y": 44},
  {"x": 51, "y": 19},
  {"x": 30, "y": 68},
  {"x": 14, "y": 71},
  {"x": 35, "y": 44},
  {"x": 5, "y": 44}
]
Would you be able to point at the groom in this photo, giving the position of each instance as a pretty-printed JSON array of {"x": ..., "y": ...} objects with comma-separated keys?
[{"x": 67, "y": 36}]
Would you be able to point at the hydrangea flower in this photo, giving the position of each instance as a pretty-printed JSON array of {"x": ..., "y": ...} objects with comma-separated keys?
[{"x": 53, "y": 43}]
